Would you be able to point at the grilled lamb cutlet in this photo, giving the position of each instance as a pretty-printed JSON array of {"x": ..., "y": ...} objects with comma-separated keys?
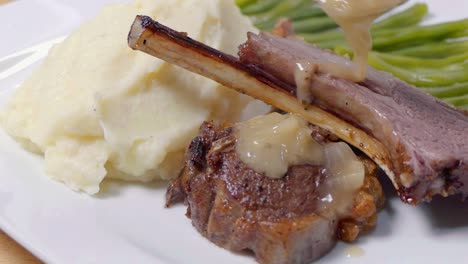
[
  {"x": 280, "y": 220},
  {"x": 425, "y": 137},
  {"x": 419, "y": 141}
]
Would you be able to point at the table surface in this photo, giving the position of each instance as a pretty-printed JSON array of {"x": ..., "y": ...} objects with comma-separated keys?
[{"x": 11, "y": 252}]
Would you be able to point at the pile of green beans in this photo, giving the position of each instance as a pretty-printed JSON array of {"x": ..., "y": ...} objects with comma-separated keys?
[{"x": 432, "y": 57}]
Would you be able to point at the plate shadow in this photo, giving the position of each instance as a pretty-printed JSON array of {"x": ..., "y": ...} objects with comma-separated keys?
[
  {"x": 112, "y": 187},
  {"x": 446, "y": 213}
]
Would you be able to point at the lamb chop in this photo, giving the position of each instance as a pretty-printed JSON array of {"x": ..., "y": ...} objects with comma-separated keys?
[
  {"x": 280, "y": 220},
  {"x": 419, "y": 141}
]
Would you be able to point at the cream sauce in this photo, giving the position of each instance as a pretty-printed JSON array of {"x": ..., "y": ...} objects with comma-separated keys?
[
  {"x": 272, "y": 143},
  {"x": 303, "y": 76},
  {"x": 355, "y": 17},
  {"x": 354, "y": 252},
  {"x": 345, "y": 175}
]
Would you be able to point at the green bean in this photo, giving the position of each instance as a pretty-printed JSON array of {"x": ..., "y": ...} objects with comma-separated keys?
[
  {"x": 313, "y": 24},
  {"x": 336, "y": 37},
  {"x": 457, "y": 89},
  {"x": 306, "y": 17},
  {"x": 435, "y": 49},
  {"x": 265, "y": 26},
  {"x": 408, "y": 17},
  {"x": 420, "y": 65},
  {"x": 452, "y": 90},
  {"x": 260, "y": 6},
  {"x": 433, "y": 78},
  {"x": 243, "y": 3},
  {"x": 458, "y": 100},
  {"x": 451, "y": 69},
  {"x": 418, "y": 71},
  {"x": 303, "y": 13},
  {"x": 419, "y": 34},
  {"x": 332, "y": 44},
  {"x": 458, "y": 34},
  {"x": 413, "y": 62},
  {"x": 272, "y": 16},
  {"x": 343, "y": 50},
  {"x": 324, "y": 36}
]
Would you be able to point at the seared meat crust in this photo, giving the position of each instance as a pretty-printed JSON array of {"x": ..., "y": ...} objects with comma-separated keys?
[{"x": 278, "y": 219}]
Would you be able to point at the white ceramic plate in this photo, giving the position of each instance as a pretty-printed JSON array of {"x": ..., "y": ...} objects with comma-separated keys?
[{"x": 128, "y": 223}]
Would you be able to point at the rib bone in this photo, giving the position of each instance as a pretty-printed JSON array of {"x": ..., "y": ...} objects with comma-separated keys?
[{"x": 177, "y": 48}]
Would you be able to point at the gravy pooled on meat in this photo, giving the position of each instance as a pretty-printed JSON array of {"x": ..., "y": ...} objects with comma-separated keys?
[{"x": 272, "y": 143}]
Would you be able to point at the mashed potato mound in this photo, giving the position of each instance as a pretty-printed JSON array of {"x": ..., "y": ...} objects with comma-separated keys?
[{"x": 95, "y": 108}]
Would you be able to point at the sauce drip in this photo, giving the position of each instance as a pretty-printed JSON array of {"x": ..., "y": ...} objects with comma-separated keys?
[
  {"x": 303, "y": 76},
  {"x": 345, "y": 176},
  {"x": 355, "y": 17},
  {"x": 354, "y": 252}
]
